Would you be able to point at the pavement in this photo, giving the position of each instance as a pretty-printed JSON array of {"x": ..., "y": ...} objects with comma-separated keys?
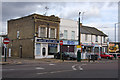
[{"x": 45, "y": 60}]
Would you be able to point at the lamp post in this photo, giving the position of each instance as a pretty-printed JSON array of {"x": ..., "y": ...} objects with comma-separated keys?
[
  {"x": 79, "y": 30},
  {"x": 79, "y": 52}
]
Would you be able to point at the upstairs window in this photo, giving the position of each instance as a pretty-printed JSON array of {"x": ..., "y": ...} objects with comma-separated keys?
[
  {"x": 104, "y": 39},
  {"x": 73, "y": 35},
  {"x": 65, "y": 34},
  {"x": 18, "y": 34},
  {"x": 52, "y": 33},
  {"x": 42, "y": 31},
  {"x": 96, "y": 38},
  {"x": 85, "y": 37}
]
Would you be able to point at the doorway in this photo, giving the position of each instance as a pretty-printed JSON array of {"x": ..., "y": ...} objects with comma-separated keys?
[
  {"x": 43, "y": 51},
  {"x": 20, "y": 51}
]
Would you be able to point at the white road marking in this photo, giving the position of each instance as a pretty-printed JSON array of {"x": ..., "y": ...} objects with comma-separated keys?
[
  {"x": 11, "y": 69},
  {"x": 39, "y": 68},
  {"x": 55, "y": 72},
  {"x": 84, "y": 64},
  {"x": 51, "y": 64},
  {"x": 43, "y": 73},
  {"x": 80, "y": 66},
  {"x": 73, "y": 67}
]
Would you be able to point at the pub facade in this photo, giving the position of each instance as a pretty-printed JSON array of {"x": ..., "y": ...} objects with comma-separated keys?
[{"x": 34, "y": 36}]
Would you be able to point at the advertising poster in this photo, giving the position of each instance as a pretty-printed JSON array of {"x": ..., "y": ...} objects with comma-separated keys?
[{"x": 113, "y": 48}]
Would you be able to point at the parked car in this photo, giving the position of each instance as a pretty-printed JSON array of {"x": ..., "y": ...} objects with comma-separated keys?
[
  {"x": 66, "y": 56},
  {"x": 116, "y": 55},
  {"x": 92, "y": 56},
  {"x": 57, "y": 55},
  {"x": 106, "y": 55},
  {"x": 72, "y": 55}
]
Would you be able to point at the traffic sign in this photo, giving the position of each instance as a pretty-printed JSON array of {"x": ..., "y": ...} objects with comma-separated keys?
[
  {"x": 6, "y": 41},
  {"x": 61, "y": 42}
]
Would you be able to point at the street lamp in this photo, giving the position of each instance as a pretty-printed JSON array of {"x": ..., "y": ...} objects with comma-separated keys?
[
  {"x": 79, "y": 52},
  {"x": 79, "y": 30}
]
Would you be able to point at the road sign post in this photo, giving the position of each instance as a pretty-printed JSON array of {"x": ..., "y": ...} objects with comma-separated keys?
[
  {"x": 6, "y": 41},
  {"x": 61, "y": 43}
]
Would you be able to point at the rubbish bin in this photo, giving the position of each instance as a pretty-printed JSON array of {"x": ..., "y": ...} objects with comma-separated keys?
[
  {"x": 78, "y": 56},
  {"x": 93, "y": 57}
]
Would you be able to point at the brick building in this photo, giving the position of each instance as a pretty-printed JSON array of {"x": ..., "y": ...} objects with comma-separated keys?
[{"x": 33, "y": 36}]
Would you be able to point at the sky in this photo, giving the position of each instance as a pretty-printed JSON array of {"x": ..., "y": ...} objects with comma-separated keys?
[{"x": 102, "y": 15}]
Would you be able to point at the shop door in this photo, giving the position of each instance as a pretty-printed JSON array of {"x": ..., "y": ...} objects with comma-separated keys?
[{"x": 43, "y": 51}]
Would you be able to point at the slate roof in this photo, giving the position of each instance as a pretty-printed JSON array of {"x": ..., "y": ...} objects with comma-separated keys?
[{"x": 92, "y": 30}]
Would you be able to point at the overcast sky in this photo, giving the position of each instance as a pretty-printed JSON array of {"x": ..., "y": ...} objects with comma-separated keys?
[{"x": 103, "y": 15}]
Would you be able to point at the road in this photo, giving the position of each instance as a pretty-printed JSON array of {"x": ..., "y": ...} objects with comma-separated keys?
[{"x": 103, "y": 69}]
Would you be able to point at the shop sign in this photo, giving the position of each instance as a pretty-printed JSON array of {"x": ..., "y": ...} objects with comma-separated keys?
[
  {"x": 48, "y": 41},
  {"x": 70, "y": 42},
  {"x": 78, "y": 46},
  {"x": 65, "y": 42}
]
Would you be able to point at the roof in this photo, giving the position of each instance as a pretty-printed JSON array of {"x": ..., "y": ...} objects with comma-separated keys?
[{"x": 92, "y": 30}]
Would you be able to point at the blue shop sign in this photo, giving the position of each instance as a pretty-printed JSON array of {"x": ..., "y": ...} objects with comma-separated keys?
[
  {"x": 49, "y": 41},
  {"x": 65, "y": 42},
  {"x": 70, "y": 42}
]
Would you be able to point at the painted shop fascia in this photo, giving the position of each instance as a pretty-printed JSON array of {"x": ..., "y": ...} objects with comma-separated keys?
[{"x": 45, "y": 48}]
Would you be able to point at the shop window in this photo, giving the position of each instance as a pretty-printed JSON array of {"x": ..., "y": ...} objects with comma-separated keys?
[
  {"x": 52, "y": 48},
  {"x": 38, "y": 49}
]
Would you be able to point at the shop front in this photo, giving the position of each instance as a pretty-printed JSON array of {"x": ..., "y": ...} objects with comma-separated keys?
[
  {"x": 69, "y": 46},
  {"x": 45, "y": 48}
]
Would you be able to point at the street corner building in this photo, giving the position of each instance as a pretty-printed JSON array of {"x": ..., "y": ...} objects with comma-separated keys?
[{"x": 34, "y": 36}]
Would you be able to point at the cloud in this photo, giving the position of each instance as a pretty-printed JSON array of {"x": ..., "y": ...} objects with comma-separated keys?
[{"x": 96, "y": 14}]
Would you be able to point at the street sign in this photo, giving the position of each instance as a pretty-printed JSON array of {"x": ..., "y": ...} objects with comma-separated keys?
[
  {"x": 61, "y": 42},
  {"x": 6, "y": 41}
]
